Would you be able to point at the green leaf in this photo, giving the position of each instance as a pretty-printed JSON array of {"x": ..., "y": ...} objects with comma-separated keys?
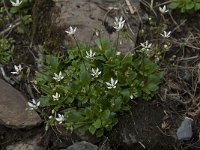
[
  {"x": 44, "y": 101},
  {"x": 126, "y": 93},
  {"x": 127, "y": 59},
  {"x": 105, "y": 115},
  {"x": 173, "y": 5},
  {"x": 100, "y": 132},
  {"x": 110, "y": 54},
  {"x": 89, "y": 113},
  {"x": 45, "y": 89},
  {"x": 102, "y": 44},
  {"x": 14, "y": 10},
  {"x": 92, "y": 129},
  {"x": 74, "y": 88},
  {"x": 85, "y": 76},
  {"x": 189, "y": 5},
  {"x": 43, "y": 77},
  {"x": 150, "y": 87},
  {"x": 106, "y": 72},
  {"x": 26, "y": 19},
  {"x": 52, "y": 61},
  {"x": 97, "y": 124},
  {"x": 70, "y": 100},
  {"x": 74, "y": 115},
  {"x": 197, "y": 6},
  {"x": 101, "y": 58},
  {"x": 82, "y": 99},
  {"x": 117, "y": 104}
]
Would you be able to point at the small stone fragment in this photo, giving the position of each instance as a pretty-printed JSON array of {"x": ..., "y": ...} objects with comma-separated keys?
[
  {"x": 184, "y": 132},
  {"x": 82, "y": 146}
]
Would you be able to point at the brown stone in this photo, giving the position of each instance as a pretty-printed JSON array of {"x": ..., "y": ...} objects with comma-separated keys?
[{"x": 13, "y": 108}]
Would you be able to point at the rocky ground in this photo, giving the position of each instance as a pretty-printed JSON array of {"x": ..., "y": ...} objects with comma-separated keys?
[{"x": 169, "y": 121}]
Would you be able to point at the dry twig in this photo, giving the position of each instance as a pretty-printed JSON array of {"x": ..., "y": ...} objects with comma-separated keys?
[{"x": 16, "y": 23}]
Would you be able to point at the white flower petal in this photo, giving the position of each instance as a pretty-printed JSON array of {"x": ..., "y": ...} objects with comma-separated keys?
[
  {"x": 108, "y": 84},
  {"x": 116, "y": 82},
  {"x": 31, "y": 105},
  {"x": 71, "y": 31},
  {"x": 38, "y": 104},
  {"x": 16, "y": 3},
  {"x": 109, "y": 87},
  {"x": 119, "y": 23},
  {"x": 131, "y": 97}
]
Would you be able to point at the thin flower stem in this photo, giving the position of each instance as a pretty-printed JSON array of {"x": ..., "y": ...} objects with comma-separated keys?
[
  {"x": 117, "y": 41},
  {"x": 143, "y": 69},
  {"x": 100, "y": 40},
  {"x": 79, "y": 49},
  {"x": 77, "y": 44},
  {"x": 143, "y": 65},
  {"x": 163, "y": 57}
]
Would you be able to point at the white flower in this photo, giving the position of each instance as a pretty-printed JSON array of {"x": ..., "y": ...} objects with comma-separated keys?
[
  {"x": 163, "y": 10},
  {"x": 119, "y": 20},
  {"x": 118, "y": 53},
  {"x": 53, "y": 111},
  {"x": 18, "y": 69},
  {"x": 165, "y": 34},
  {"x": 97, "y": 33},
  {"x": 112, "y": 84},
  {"x": 71, "y": 31},
  {"x": 146, "y": 45},
  {"x": 150, "y": 18},
  {"x": 95, "y": 73},
  {"x": 58, "y": 77},
  {"x": 60, "y": 118},
  {"x": 119, "y": 23},
  {"x": 33, "y": 104},
  {"x": 90, "y": 54},
  {"x": 16, "y": 3},
  {"x": 56, "y": 97},
  {"x": 131, "y": 97},
  {"x": 165, "y": 46}
]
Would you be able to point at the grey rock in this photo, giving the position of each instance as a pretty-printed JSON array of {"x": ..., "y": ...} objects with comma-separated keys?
[
  {"x": 20, "y": 146},
  {"x": 184, "y": 132},
  {"x": 82, "y": 146},
  {"x": 30, "y": 144},
  {"x": 12, "y": 108}
]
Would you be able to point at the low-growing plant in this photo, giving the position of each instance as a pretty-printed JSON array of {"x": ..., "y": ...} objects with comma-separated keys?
[
  {"x": 161, "y": 42},
  {"x": 185, "y": 5},
  {"x": 6, "y": 49},
  {"x": 21, "y": 6},
  {"x": 86, "y": 90},
  {"x": 23, "y": 9}
]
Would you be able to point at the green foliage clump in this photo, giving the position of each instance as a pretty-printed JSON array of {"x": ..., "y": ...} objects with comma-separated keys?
[
  {"x": 185, "y": 5},
  {"x": 86, "y": 100},
  {"x": 24, "y": 8},
  {"x": 25, "y": 13},
  {"x": 6, "y": 49}
]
